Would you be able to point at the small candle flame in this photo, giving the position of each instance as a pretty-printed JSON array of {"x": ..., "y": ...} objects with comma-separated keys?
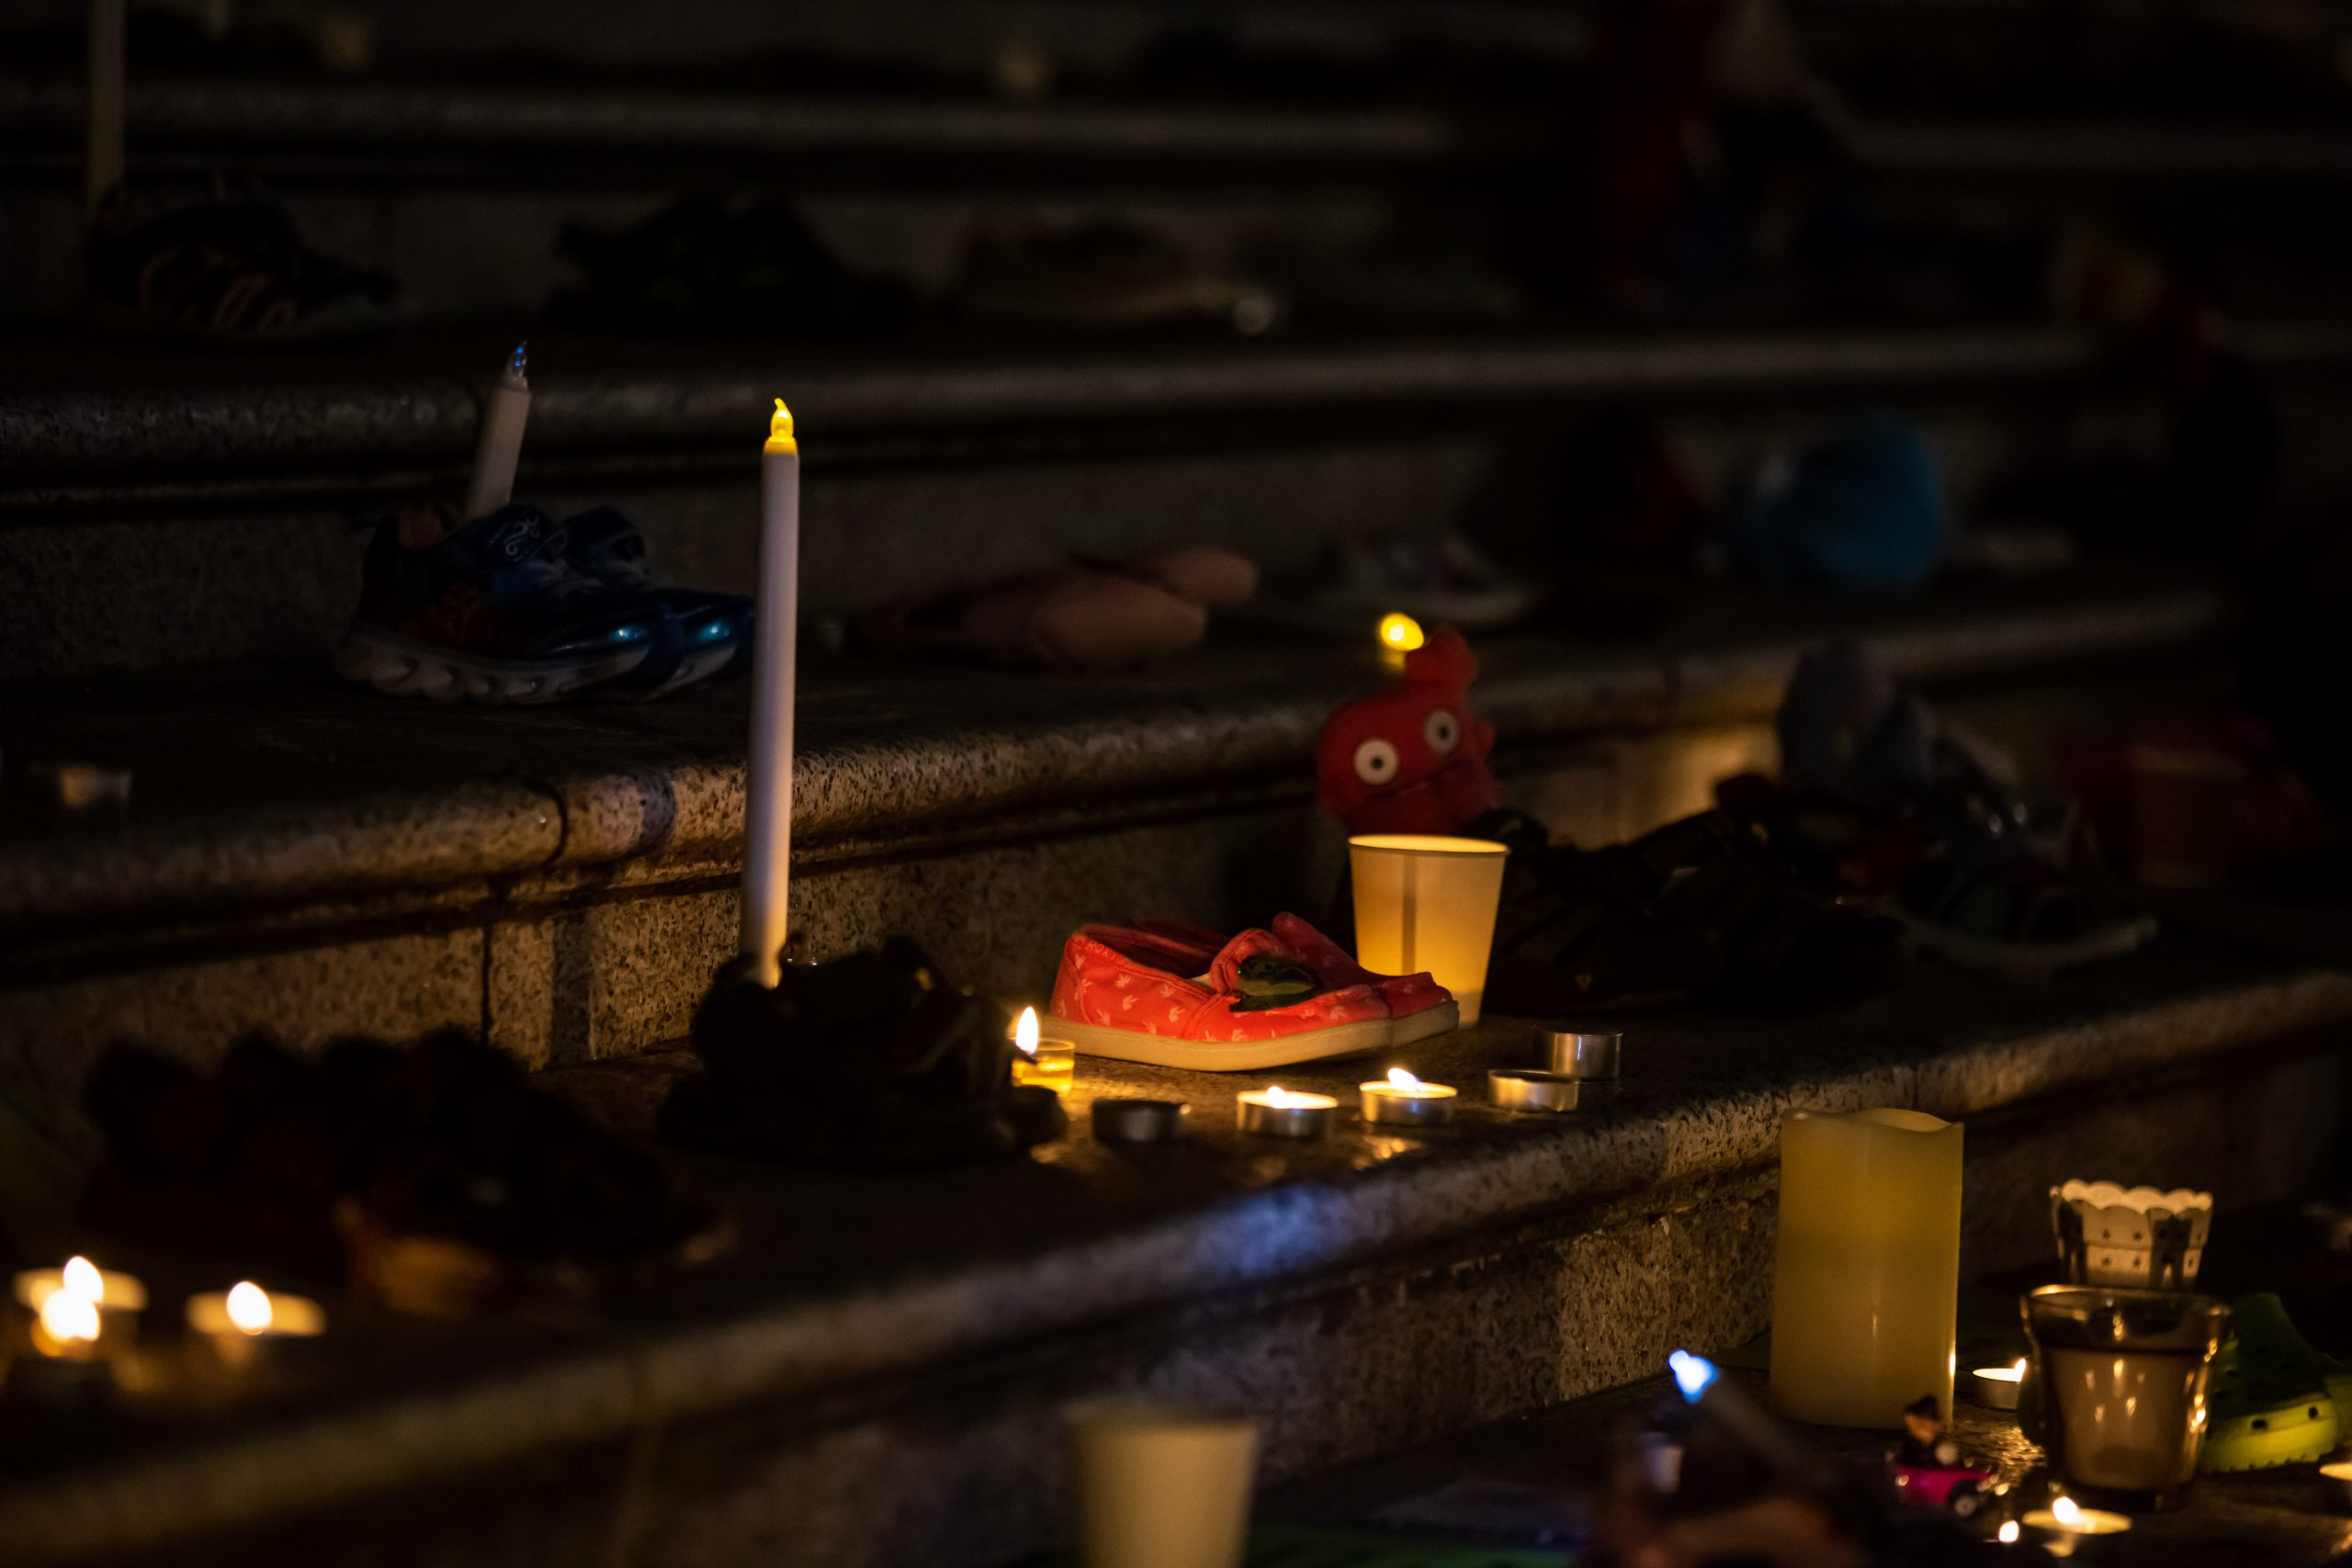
[
  {"x": 70, "y": 1317},
  {"x": 1024, "y": 1033},
  {"x": 2010, "y": 1532},
  {"x": 80, "y": 1277},
  {"x": 2020, "y": 1368},
  {"x": 1398, "y": 1079},
  {"x": 1278, "y": 1097},
  {"x": 2068, "y": 1516},
  {"x": 1400, "y": 632},
  {"x": 248, "y": 1307},
  {"x": 780, "y": 424}
]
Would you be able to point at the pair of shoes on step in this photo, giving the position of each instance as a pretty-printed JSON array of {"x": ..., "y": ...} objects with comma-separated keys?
[
  {"x": 515, "y": 607},
  {"x": 1089, "y": 615},
  {"x": 1175, "y": 995}
]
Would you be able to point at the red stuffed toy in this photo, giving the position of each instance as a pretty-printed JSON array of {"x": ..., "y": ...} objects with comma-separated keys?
[{"x": 1414, "y": 759}]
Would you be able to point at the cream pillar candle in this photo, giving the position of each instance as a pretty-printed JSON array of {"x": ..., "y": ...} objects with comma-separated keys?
[
  {"x": 500, "y": 445},
  {"x": 767, "y": 804},
  {"x": 1866, "y": 1282}
]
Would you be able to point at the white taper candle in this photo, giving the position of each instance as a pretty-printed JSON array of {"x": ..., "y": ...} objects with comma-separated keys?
[
  {"x": 102, "y": 105},
  {"x": 768, "y": 797},
  {"x": 503, "y": 414}
]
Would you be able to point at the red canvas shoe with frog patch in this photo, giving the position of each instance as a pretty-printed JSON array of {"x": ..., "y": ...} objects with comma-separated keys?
[{"x": 1140, "y": 996}]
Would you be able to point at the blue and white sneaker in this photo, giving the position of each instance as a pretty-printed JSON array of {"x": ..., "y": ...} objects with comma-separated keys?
[
  {"x": 606, "y": 546},
  {"x": 494, "y": 611}
]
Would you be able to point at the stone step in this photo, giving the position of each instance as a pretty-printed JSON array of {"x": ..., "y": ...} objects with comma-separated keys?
[
  {"x": 873, "y": 1376},
  {"x": 312, "y": 860},
  {"x": 177, "y": 508}
]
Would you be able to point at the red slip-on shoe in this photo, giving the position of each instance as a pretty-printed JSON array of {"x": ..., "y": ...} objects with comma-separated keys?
[
  {"x": 1130, "y": 996},
  {"x": 1420, "y": 1007}
]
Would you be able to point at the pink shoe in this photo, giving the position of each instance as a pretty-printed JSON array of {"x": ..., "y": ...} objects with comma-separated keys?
[{"x": 1411, "y": 1006}]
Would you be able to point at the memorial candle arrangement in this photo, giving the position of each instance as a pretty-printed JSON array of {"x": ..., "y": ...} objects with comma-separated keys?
[
  {"x": 1866, "y": 1280},
  {"x": 80, "y": 1310}
]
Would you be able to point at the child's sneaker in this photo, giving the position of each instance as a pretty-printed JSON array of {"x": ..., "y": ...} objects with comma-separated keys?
[
  {"x": 494, "y": 612},
  {"x": 605, "y": 545},
  {"x": 1138, "y": 995}
]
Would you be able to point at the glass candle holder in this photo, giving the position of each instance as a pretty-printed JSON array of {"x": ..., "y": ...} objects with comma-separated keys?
[
  {"x": 2123, "y": 1378},
  {"x": 1866, "y": 1275},
  {"x": 1428, "y": 903},
  {"x": 1053, "y": 1066}
]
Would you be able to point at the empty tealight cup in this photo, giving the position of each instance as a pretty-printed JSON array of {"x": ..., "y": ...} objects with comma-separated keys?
[
  {"x": 1161, "y": 1485},
  {"x": 1428, "y": 904}
]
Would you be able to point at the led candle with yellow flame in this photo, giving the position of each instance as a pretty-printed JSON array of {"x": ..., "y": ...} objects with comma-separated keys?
[
  {"x": 1400, "y": 634},
  {"x": 1866, "y": 1277},
  {"x": 81, "y": 1310},
  {"x": 1049, "y": 1063},
  {"x": 1401, "y": 1099},
  {"x": 767, "y": 794},
  {"x": 1277, "y": 1113},
  {"x": 238, "y": 1322}
]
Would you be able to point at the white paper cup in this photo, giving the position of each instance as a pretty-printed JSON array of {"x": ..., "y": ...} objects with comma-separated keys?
[
  {"x": 1161, "y": 1485},
  {"x": 1426, "y": 903}
]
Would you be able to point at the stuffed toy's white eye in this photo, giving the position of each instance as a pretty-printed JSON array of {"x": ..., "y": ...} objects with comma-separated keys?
[
  {"x": 1376, "y": 762},
  {"x": 1442, "y": 731}
]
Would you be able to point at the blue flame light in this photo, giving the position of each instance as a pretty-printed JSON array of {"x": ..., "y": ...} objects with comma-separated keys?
[{"x": 1692, "y": 1374}]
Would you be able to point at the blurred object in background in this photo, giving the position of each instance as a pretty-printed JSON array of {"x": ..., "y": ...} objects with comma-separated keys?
[
  {"x": 1103, "y": 272},
  {"x": 2184, "y": 802},
  {"x": 706, "y": 265},
  {"x": 1864, "y": 509}
]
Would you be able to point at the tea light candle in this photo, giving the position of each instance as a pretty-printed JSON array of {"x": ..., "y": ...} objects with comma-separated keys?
[
  {"x": 114, "y": 1301},
  {"x": 1582, "y": 1053},
  {"x": 1276, "y": 1113},
  {"x": 1403, "y": 1101},
  {"x": 2336, "y": 1486},
  {"x": 1051, "y": 1064},
  {"x": 1533, "y": 1089},
  {"x": 1997, "y": 1388},
  {"x": 2065, "y": 1526},
  {"x": 1137, "y": 1121},
  {"x": 235, "y": 1322}
]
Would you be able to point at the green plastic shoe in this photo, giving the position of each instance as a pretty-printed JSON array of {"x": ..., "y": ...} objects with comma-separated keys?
[{"x": 2271, "y": 1403}]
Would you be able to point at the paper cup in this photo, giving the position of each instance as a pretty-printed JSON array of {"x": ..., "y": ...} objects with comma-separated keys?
[
  {"x": 1161, "y": 1485},
  {"x": 1428, "y": 904}
]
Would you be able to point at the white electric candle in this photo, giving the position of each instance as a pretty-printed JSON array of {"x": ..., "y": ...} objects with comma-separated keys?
[
  {"x": 768, "y": 801},
  {"x": 504, "y": 411}
]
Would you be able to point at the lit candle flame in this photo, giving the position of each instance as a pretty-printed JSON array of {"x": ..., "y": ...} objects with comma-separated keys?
[
  {"x": 2020, "y": 1368},
  {"x": 70, "y": 1317},
  {"x": 80, "y": 1277},
  {"x": 2010, "y": 1532},
  {"x": 248, "y": 1307},
  {"x": 2068, "y": 1516},
  {"x": 1278, "y": 1097},
  {"x": 1024, "y": 1033},
  {"x": 780, "y": 436},
  {"x": 1400, "y": 632},
  {"x": 1403, "y": 1081}
]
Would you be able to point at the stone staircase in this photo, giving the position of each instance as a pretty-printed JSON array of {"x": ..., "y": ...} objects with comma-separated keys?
[{"x": 872, "y": 1376}]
